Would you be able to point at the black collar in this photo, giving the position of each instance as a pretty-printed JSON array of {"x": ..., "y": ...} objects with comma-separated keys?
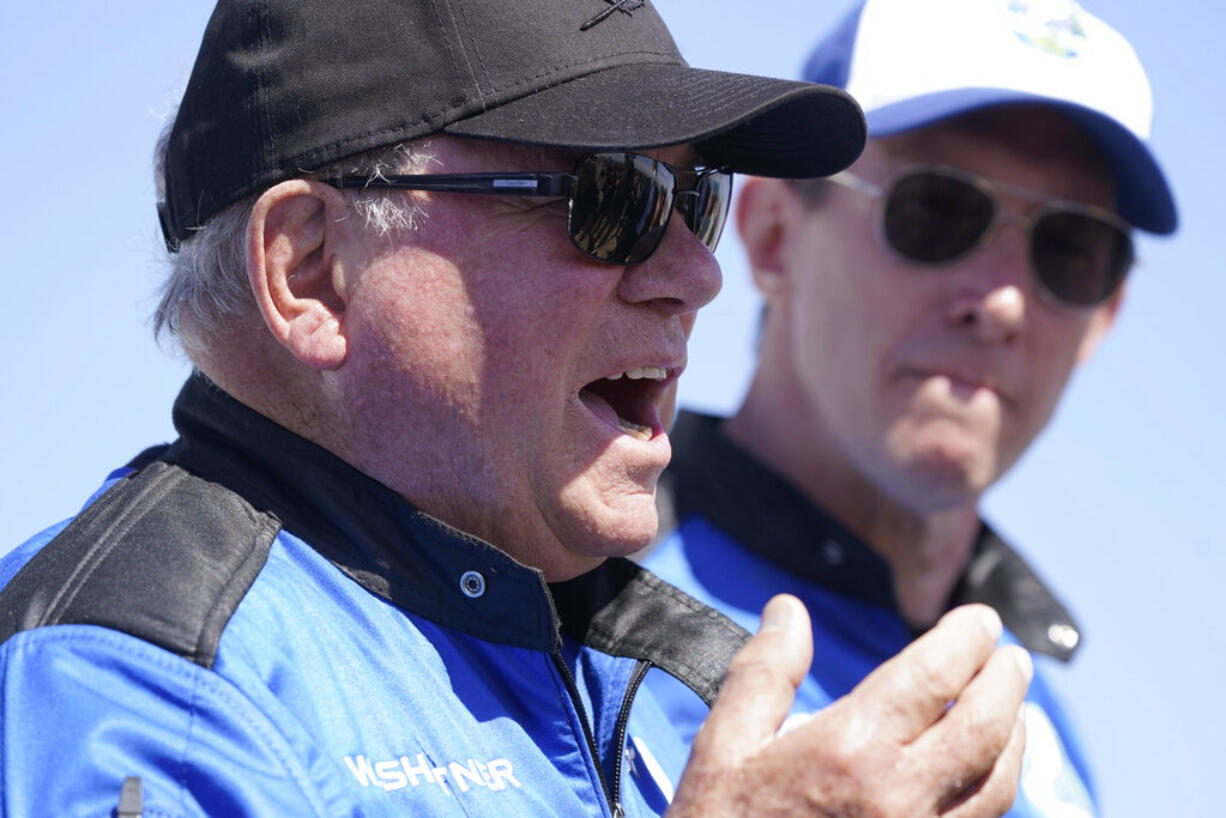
[
  {"x": 712, "y": 476},
  {"x": 424, "y": 566}
]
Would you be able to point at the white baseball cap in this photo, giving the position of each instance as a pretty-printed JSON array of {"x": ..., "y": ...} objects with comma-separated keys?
[{"x": 910, "y": 63}]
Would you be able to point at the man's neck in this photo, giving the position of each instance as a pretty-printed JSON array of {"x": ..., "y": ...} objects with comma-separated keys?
[
  {"x": 927, "y": 551},
  {"x": 927, "y": 554}
]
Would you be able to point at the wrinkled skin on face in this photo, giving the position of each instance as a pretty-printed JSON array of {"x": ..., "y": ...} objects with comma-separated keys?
[
  {"x": 478, "y": 348},
  {"x": 923, "y": 385}
]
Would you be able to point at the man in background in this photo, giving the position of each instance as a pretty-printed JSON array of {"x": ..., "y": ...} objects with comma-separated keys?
[{"x": 923, "y": 314}]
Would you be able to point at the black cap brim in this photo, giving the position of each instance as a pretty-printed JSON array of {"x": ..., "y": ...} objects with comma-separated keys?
[{"x": 749, "y": 124}]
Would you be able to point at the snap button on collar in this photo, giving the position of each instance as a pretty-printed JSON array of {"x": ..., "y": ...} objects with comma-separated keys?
[
  {"x": 1065, "y": 636},
  {"x": 472, "y": 584},
  {"x": 832, "y": 552}
]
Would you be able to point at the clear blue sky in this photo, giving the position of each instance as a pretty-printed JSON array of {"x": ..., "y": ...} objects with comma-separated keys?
[{"x": 1118, "y": 503}]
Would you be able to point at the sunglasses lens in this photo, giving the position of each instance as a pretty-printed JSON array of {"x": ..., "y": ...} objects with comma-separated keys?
[
  {"x": 705, "y": 209},
  {"x": 934, "y": 217},
  {"x": 1080, "y": 258},
  {"x": 620, "y": 206}
]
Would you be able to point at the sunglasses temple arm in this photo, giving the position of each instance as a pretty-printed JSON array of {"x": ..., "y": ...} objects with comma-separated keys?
[
  {"x": 850, "y": 180},
  {"x": 513, "y": 184}
]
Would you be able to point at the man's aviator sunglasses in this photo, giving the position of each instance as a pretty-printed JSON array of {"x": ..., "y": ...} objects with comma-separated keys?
[
  {"x": 932, "y": 215},
  {"x": 619, "y": 204}
]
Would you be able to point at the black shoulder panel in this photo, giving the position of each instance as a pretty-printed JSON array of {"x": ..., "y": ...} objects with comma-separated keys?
[
  {"x": 164, "y": 555},
  {"x": 623, "y": 609},
  {"x": 999, "y": 576}
]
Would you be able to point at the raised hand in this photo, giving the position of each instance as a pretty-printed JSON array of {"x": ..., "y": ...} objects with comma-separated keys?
[{"x": 935, "y": 731}]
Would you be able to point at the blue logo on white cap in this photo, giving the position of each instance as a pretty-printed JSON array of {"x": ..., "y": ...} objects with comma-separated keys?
[{"x": 1052, "y": 26}]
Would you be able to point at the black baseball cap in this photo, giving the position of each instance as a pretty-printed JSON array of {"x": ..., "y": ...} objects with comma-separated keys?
[{"x": 281, "y": 87}]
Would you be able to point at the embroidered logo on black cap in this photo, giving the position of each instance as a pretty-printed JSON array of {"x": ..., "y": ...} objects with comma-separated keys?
[{"x": 624, "y": 6}]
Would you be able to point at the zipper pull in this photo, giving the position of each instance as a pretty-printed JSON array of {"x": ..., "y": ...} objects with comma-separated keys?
[{"x": 130, "y": 798}]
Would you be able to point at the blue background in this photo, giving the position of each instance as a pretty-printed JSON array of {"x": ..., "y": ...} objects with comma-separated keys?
[{"x": 1119, "y": 502}]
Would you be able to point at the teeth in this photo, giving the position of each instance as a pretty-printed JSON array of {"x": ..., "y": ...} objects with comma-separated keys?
[
  {"x": 655, "y": 373},
  {"x": 633, "y": 429}
]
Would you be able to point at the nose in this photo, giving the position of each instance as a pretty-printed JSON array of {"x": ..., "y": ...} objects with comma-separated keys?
[
  {"x": 991, "y": 296},
  {"x": 678, "y": 278}
]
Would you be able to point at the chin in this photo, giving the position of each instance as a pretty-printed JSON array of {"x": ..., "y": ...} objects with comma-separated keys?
[
  {"x": 621, "y": 537},
  {"x": 941, "y": 469},
  {"x": 938, "y": 480},
  {"x": 945, "y": 450},
  {"x": 614, "y": 528},
  {"x": 584, "y": 551}
]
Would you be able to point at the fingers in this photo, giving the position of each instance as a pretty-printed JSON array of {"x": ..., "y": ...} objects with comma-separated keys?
[
  {"x": 907, "y": 694},
  {"x": 964, "y": 746},
  {"x": 758, "y": 691},
  {"x": 761, "y": 682},
  {"x": 939, "y": 723},
  {"x": 995, "y": 792}
]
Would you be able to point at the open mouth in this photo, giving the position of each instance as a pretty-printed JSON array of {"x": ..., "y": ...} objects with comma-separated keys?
[{"x": 629, "y": 400}]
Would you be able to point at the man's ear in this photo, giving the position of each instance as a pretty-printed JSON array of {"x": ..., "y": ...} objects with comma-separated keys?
[
  {"x": 765, "y": 213},
  {"x": 1101, "y": 322},
  {"x": 295, "y": 272}
]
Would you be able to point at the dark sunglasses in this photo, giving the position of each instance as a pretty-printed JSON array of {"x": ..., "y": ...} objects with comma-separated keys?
[
  {"x": 619, "y": 204},
  {"x": 934, "y": 215}
]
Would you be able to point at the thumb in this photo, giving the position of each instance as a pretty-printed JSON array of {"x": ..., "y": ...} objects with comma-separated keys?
[{"x": 760, "y": 684}]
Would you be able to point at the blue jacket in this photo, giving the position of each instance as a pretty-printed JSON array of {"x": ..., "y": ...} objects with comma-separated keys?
[
  {"x": 736, "y": 534},
  {"x": 252, "y": 627}
]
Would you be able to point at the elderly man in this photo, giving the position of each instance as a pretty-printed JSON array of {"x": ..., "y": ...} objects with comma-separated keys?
[
  {"x": 923, "y": 313},
  {"x": 427, "y": 266}
]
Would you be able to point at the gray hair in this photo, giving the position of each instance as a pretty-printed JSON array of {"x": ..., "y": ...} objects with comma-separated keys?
[{"x": 206, "y": 285}]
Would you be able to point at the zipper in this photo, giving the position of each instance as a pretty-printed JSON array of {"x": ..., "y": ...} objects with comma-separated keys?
[
  {"x": 612, "y": 793},
  {"x": 623, "y": 724},
  {"x": 577, "y": 700}
]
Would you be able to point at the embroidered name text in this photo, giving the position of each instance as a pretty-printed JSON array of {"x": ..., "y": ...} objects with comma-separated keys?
[{"x": 398, "y": 773}]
